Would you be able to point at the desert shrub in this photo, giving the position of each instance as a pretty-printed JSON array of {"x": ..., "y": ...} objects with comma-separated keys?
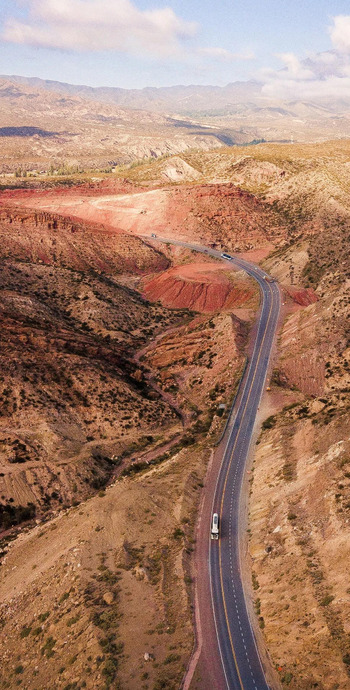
[
  {"x": 48, "y": 648},
  {"x": 255, "y": 581},
  {"x": 37, "y": 631},
  {"x": 171, "y": 658},
  {"x": 269, "y": 423},
  {"x": 165, "y": 681},
  {"x": 11, "y": 515},
  {"x": 287, "y": 678},
  {"x": 109, "y": 669},
  {"x": 64, "y": 597},
  {"x": 288, "y": 471},
  {"x": 72, "y": 620}
]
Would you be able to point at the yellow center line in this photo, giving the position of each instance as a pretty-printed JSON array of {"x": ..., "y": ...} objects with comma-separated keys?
[
  {"x": 225, "y": 483},
  {"x": 224, "y": 490}
]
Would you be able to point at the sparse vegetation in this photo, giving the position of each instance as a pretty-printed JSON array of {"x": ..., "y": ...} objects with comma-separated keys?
[
  {"x": 87, "y": 327},
  {"x": 269, "y": 423}
]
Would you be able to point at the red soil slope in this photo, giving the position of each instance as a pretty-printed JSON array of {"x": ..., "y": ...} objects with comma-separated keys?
[
  {"x": 47, "y": 238},
  {"x": 203, "y": 287},
  {"x": 221, "y": 214},
  {"x": 302, "y": 296}
]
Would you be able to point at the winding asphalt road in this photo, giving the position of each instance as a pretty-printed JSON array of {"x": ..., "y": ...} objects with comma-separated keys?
[
  {"x": 240, "y": 658},
  {"x": 239, "y": 654}
]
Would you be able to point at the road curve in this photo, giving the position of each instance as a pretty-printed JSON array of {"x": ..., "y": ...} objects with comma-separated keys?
[{"x": 239, "y": 653}]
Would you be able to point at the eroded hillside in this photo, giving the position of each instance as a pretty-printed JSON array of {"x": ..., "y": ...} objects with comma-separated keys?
[
  {"x": 300, "y": 492},
  {"x": 214, "y": 214},
  {"x": 45, "y": 132},
  {"x": 72, "y": 397},
  {"x": 99, "y": 384},
  {"x": 106, "y": 384}
]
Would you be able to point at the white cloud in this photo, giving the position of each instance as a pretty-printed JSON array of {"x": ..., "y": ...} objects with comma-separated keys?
[
  {"x": 325, "y": 76},
  {"x": 226, "y": 55},
  {"x": 340, "y": 33},
  {"x": 294, "y": 69},
  {"x": 333, "y": 88},
  {"x": 97, "y": 25}
]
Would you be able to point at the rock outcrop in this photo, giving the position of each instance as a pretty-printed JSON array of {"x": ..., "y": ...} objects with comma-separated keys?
[
  {"x": 202, "y": 287},
  {"x": 51, "y": 239}
]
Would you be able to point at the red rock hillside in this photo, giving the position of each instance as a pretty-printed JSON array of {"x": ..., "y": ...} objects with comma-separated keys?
[
  {"x": 219, "y": 214},
  {"x": 302, "y": 296},
  {"x": 46, "y": 238},
  {"x": 202, "y": 287}
]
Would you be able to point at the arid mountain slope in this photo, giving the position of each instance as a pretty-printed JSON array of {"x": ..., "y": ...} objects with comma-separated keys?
[
  {"x": 72, "y": 399},
  {"x": 220, "y": 215},
  {"x": 53, "y": 240},
  {"x": 240, "y": 110},
  {"x": 85, "y": 597},
  {"x": 301, "y": 492},
  {"x": 40, "y": 130},
  {"x": 83, "y": 347}
]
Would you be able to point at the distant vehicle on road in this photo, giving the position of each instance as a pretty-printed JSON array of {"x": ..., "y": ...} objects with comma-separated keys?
[
  {"x": 153, "y": 234},
  {"x": 214, "y": 534},
  {"x": 226, "y": 256},
  {"x": 269, "y": 280}
]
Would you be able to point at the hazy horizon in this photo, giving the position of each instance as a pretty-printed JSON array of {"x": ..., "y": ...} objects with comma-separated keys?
[{"x": 148, "y": 43}]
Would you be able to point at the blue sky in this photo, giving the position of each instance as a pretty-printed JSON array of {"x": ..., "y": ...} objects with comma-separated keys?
[{"x": 137, "y": 43}]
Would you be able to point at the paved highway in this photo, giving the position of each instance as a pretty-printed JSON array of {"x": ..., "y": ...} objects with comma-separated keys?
[
  {"x": 240, "y": 658},
  {"x": 239, "y": 654}
]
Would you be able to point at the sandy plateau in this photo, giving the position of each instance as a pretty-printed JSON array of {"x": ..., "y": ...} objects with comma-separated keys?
[{"x": 116, "y": 355}]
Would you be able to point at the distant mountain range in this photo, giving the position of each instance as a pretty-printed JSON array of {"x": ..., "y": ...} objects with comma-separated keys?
[
  {"x": 235, "y": 99},
  {"x": 48, "y": 123},
  {"x": 178, "y": 99}
]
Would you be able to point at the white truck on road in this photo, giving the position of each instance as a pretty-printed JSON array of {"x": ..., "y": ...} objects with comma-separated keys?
[{"x": 214, "y": 534}]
